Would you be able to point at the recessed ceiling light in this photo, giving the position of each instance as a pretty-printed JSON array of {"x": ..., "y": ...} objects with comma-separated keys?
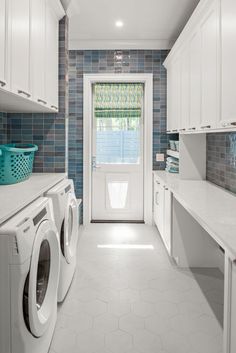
[{"x": 119, "y": 24}]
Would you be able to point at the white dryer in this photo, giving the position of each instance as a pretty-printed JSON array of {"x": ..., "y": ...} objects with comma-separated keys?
[
  {"x": 29, "y": 272},
  {"x": 65, "y": 208}
]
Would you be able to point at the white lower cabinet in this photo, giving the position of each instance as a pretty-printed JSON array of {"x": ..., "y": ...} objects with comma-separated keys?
[{"x": 162, "y": 212}]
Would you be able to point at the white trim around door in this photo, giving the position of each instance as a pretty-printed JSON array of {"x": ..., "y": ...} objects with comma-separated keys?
[{"x": 89, "y": 80}]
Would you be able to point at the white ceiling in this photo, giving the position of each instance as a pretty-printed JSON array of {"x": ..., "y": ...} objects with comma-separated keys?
[{"x": 148, "y": 24}]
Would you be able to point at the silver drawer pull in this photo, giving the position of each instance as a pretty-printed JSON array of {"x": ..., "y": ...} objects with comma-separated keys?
[
  {"x": 54, "y": 107},
  {"x": 2, "y": 83},
  {"x": 157, "y": 182},
  {"x": 174, "y": 130},
  {"x": 206, "y": 127},
  {"x": 182, "y": 129},
  {"x": 225, "y": 124},
  {"x": 42, "y": 101},
  {"x": 192, "y": 128},
  {"x": 156, "y": 199},
  {"x": 23, "y": 92}
]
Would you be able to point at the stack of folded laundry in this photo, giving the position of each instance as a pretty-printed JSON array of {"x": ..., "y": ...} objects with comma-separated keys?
[{"x": 172, "y": 165}]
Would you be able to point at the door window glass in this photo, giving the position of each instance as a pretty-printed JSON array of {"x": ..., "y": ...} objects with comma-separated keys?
[
  {"x": 43, "y": 273},
  {"x": 118, "y": 109}
]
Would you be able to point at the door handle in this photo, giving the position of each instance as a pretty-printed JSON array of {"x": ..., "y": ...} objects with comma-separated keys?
[{"x": 94, "y": 164}]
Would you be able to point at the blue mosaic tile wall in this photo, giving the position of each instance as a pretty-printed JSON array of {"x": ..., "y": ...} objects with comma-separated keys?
[
  {"x": 3, "y": 128},
  {"x": 221, "y": 160},
  {"x": 113, "y": 61},
  {"x": 48, "y": 131}
]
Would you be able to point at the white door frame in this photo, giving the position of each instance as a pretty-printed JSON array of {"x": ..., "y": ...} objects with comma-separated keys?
[{"x": 89, "y": 80}]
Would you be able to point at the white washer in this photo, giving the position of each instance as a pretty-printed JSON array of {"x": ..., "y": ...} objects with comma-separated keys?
[
  {"x": 29, "y": 273},
  {"x": 65, "y": 208}
]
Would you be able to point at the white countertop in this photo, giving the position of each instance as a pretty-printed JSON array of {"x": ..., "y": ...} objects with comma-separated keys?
[
  {"x": 15, "y": 197},
  {"x": 213, "y": 207}
]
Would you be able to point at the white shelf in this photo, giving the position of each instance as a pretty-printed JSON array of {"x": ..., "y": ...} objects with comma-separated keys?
[{"x": 174, "y": 154}]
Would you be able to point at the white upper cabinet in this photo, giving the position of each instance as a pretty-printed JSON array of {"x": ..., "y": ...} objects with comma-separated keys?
[
  {"x": 29, "y": 57},
  {"x": 52, "y": 39},
  {"x": 199, "y": 48},
  {"x": 38, "y": 50},
  {"x": 195, "y": 82},
  {"x": 228, "y": 55},
  {"x": 3, "y": 43},
  {"x": 210, "y": 69},
  {"x": 20, "y": 47}
]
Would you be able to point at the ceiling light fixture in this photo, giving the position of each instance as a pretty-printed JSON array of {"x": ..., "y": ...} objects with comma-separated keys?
[{"x": 119, "y": 24}]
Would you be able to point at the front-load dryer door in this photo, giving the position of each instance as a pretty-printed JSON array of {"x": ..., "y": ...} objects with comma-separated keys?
[
  {"x": 43, "y": 278},
  {"x": 69, "y": 234}
]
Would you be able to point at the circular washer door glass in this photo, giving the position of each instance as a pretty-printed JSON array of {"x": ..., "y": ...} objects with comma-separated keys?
[
  {"x": 70, "y": 225},
  {"x": 43, "y": 272}
]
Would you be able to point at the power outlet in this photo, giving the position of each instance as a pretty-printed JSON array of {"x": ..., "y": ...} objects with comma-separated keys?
[{"x": 160, "y": 157}]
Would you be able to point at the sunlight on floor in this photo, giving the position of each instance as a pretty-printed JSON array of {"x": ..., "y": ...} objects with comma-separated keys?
[{"x": 126, "y": 246}]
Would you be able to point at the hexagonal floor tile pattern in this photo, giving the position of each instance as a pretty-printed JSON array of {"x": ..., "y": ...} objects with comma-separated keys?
[{"x": 137, "y": 301}]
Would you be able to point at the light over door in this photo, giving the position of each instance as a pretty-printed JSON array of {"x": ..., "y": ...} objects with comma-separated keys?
[{"x": 117, "y": 170}]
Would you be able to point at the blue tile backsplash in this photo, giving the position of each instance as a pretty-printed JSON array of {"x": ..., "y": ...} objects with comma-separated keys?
[
  {"x": 113, "y": 61},
  {"x": 221, "y": 160}
]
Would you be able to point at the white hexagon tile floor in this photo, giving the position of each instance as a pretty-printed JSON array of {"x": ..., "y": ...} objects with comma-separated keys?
[{"x": 134, "y": 300}]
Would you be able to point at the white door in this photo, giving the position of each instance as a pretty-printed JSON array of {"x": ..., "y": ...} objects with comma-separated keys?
[
  {"x": 52, "y": 52},
  {"x": 228, "y": 53},
  {"x": 20, "y": 47},
  {"x": 117, "y": 145},
  {"x": 210, "y": 35},
  {"x": 38, "y": 50},
  {"x": 3, "y": 42}
]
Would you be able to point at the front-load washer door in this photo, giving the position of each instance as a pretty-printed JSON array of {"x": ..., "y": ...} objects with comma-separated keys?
[
  {"x": 43, "y": 278},
  {"x": 69, "y": 232}
]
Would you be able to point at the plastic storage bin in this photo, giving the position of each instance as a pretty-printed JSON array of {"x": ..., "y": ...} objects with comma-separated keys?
[{"x": 16, "y": 162}]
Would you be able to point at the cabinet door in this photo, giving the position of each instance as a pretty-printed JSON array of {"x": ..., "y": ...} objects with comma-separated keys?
[
  {"x": 38, "y": 50},
  {"x": 185, "y": 83},
  {"x": 159, "y": 206},
  {"x": 228, "y": 16},
  {"x": 169, "y": 97},
  {"x": 3, "y": 42},
  {"x": 210, "y": 97},
  {"x": 20, "y": 44},
  {"x": 167, "y": 219},
  {"x": 195, "y": 81},
  {"x": 52, "y": 57},
  {"x": 176, "y": 95}
]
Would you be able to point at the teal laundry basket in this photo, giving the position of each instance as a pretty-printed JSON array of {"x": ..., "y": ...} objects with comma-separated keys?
[{"x": 16, "y": 162}]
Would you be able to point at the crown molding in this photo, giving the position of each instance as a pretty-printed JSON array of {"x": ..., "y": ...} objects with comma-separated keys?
[{"x": 79, "y": 44}]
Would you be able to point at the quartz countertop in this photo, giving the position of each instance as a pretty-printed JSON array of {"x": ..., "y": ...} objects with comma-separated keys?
[
  {"x": 213, "y": 207},
  {"x": 17, "y": 196}
]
